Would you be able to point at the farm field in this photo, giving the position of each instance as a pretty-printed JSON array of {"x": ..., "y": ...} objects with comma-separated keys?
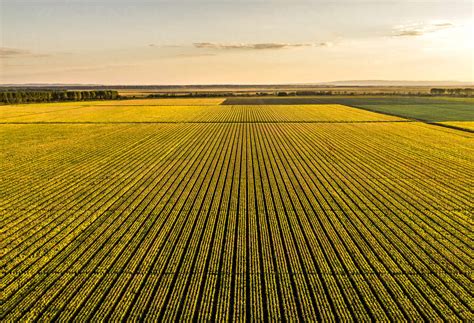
[
  {"x": 173, "y": 209},
  {"x": 469, "y": 125},
  {"x": 109, "y": 109},
  {"x": 101, "y": 112},
  {"x": 428, "y": 109}
]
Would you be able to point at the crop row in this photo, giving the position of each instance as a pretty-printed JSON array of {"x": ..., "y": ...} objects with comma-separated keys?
[
  {"x": 231, "y": 221},
  {"x": 100, "y": 113}
]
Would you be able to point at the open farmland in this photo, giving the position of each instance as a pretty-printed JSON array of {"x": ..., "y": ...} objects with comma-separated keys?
[
  {"x": 122, "y": 210},
  {"x": 455, "y": 112}
]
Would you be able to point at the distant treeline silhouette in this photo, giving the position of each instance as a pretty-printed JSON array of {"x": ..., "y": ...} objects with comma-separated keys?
[
  {"x": 453, "y": 91},
  {"x": 461, "y": 92},
  {"x": 231, "y": 94},
  {"x": 17, "y": 97}
]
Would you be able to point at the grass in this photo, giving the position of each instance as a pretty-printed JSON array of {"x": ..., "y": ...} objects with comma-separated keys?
[{"x": 301, "y": 212}]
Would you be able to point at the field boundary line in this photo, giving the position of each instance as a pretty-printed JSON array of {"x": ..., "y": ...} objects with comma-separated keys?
[{"x": 206, "y": 122}]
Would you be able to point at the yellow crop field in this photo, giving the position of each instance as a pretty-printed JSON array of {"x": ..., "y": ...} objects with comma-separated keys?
[
  {"x": 236, "y": 161},
  {"x": 165, "y": 101},
  {"x": 123, "y": 211},
  {"x": 113, "y": 112},
  {"x": 461, "y": 124},
  {"x": 9, "y": 111}
]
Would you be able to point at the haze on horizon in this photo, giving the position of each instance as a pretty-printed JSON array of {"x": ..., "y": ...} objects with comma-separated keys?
[{"x": 234, "y": 41}]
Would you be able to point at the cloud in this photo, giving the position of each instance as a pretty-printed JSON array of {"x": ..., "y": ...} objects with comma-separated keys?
[
  {"x": 257, "y": 46},
  {"x": 165, "y": 45},
  {"x": 6, "y": 52},
  {"x": 325, "y": 44},
  {"x": 187, "y": 55},
  {"x": 419, "y": 29},
  {"x": 193, "y": 55}
]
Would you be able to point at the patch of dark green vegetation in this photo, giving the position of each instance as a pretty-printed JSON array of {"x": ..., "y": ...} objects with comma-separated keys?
[{"x": 30, "y": 96}]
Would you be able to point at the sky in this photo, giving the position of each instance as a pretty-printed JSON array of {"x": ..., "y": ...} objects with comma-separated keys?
[{"x": 235, "y": 41}]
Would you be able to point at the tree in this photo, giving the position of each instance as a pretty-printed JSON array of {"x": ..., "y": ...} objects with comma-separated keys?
[{"x": 26, "y": 96}]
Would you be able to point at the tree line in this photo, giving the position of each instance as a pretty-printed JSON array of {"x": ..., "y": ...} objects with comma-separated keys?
[
  {"x": 18, "y": 97},
  {"x": 453, "y": 91},
  {"x": 229, "y": 94}
]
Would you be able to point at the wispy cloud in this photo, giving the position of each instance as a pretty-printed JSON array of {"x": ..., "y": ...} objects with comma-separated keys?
[
  {"x": 419, "y": 29},
  {"x": 165, "y": 45},
  {"x": 187, "y": 55},
  {"x": 6, "y": 52},
  {"x": 193, "y": 55},
  {"x": 257, "y": 46}
]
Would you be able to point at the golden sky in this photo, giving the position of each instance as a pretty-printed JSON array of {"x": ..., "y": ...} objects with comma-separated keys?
[{"x": 234, "y": 42}]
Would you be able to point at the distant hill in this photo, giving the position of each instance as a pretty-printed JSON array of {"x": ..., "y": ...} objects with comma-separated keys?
[
  {"x": 396, "y": 83},
  {"x": 42, "y": 85},
  {"x": 351, "y": 83}
]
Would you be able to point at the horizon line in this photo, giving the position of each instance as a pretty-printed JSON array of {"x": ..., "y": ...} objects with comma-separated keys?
[{"x": 326, "y": 83}]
